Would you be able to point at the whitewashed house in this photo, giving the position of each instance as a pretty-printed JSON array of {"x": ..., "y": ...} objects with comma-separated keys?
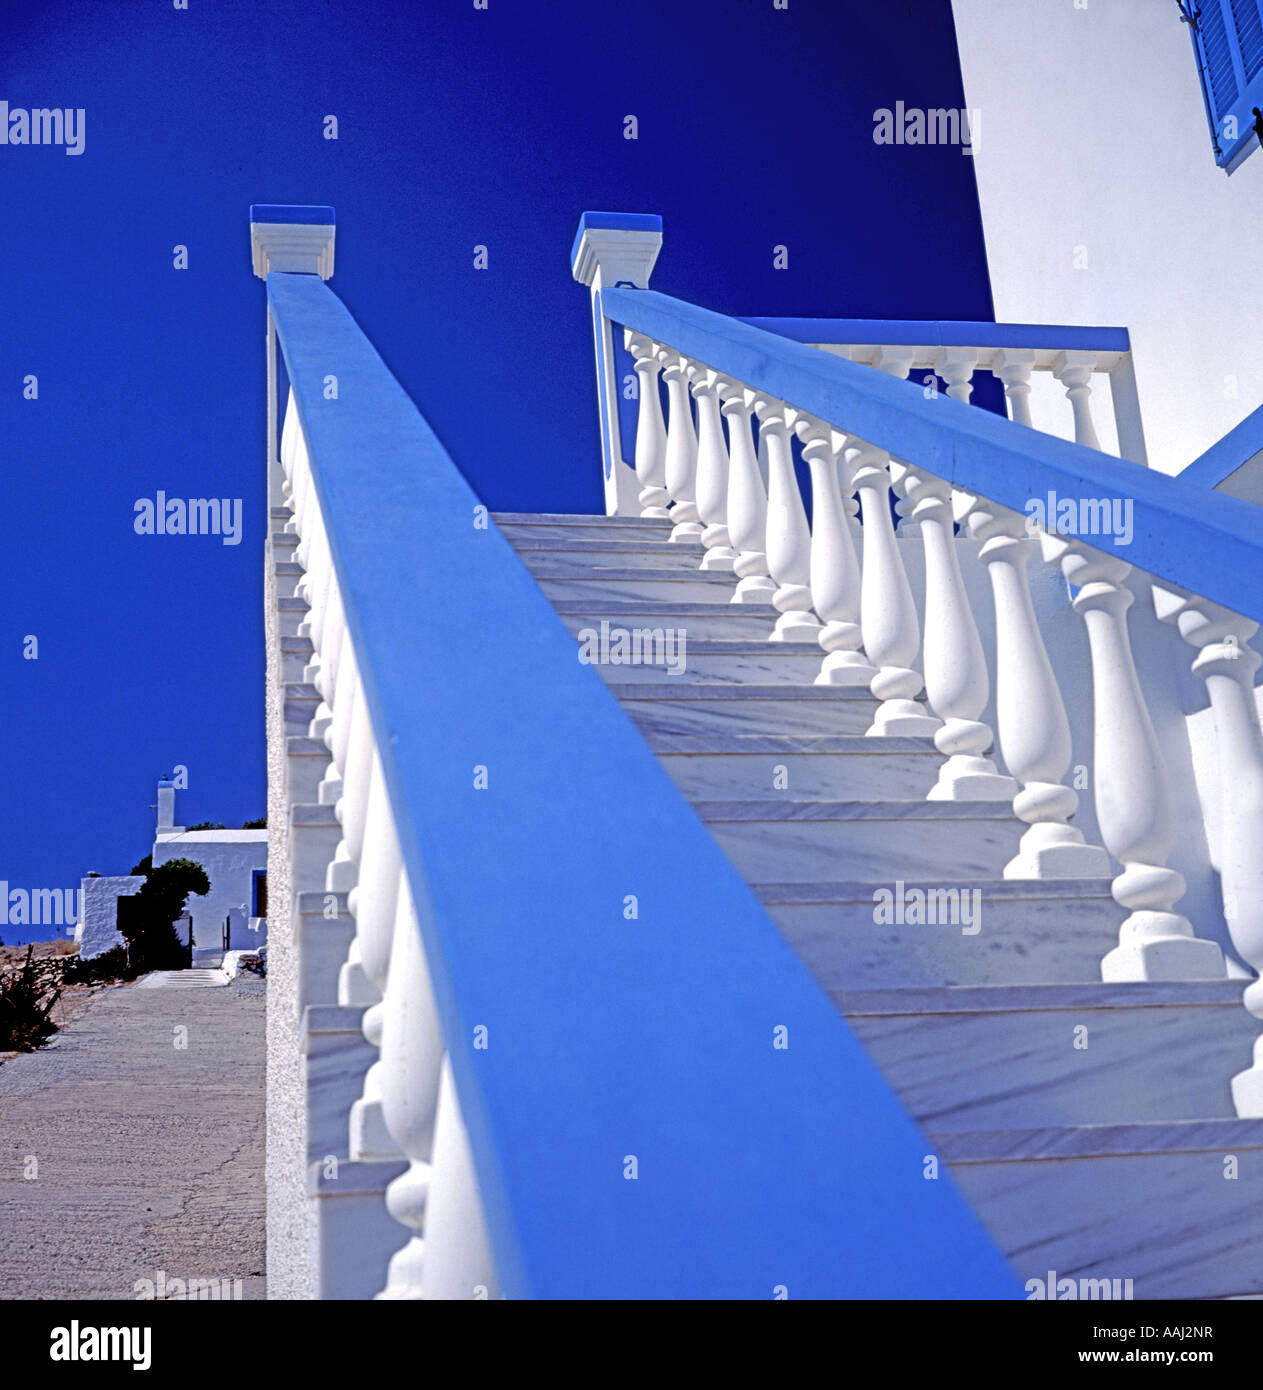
[
  {"x": 895, "y": 945},
  {"x": 231, "y": 916}
]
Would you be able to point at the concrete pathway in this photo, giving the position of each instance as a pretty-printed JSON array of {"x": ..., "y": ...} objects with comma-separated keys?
[{"x": 144, "y": 1121}]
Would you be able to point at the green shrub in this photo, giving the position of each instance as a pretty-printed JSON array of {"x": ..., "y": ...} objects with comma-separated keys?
[
  {"x": 27, "y": 996},
  {"x": 109, "y": 965}
]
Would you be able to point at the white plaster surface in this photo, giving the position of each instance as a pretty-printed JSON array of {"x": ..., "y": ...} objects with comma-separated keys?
[
  {"x": 97, "y": 931},
  {"x": 229, "y": 858},
  {"x": 1094, "y": 136}
]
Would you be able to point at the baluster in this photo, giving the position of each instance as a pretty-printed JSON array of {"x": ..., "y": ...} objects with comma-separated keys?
[
  {"x": 1031, "y": 720},
  {"x": 351, "y": 807},
  {"x": 712, "y": 471},
  {"x": 459, "y": 1262},
  {"x": 411, "y": 1057},
  {"x": 290, "y": 429},
  {"x": 747, "y": 500},
  {"x": 834, "y": 568},
  {"x": 651, "y": 431},
  {"x": 956, "y": 680},
  {"x": 888, "y": 615},
  {"x": 372, "y": 902},
  {"x": 326, "y": 676},
  {"x": 337, "y": 733},
  {"x": 1074, "y": 370},
  {"x": 1014, "y": 366},
  {"x": 1134, "y": 807},
  {"x": 681, "y": 457},
  {"x": 1227, "y": 664},
  {"x": 788, "y": 535},
  {"x": 447, "y": 1255}
]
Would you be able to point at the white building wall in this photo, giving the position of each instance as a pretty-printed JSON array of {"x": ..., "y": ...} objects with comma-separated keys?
[
  {"x": 97, "y": 929},
  {"x": 229, "y": 858},
  {"x": 1094, "y": 144}
]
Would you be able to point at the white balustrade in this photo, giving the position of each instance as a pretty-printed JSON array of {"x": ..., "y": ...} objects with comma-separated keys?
[
  {"x": 788, "y": 534},
  {"x": 747, "y": 498},
  {"x": 1134, "y": 807},
  {"x": 372, "y": 902},
  {"x": 835, "y": 566},
  {"x": 1228, "y": 664},
  {"x": 888, "y": 615},
  {"x": 712, "y": 470},
  {"x": 956, "y": 681},
  {"x": 1073, "y": 370},
  {"x": 1014, "y": 366},
  {"x": 681, "y": 455},
  {"x": 1034, "y": 733},
  {"x": 651, "y": 430}
]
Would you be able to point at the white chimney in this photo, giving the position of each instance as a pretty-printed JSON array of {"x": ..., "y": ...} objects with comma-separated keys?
[{"x": 166, "y": 808}]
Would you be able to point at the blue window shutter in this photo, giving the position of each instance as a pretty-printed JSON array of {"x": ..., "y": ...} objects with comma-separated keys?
[
  {"x": 1228, "y": 39},
  {"x": 1249, "y": 22}
]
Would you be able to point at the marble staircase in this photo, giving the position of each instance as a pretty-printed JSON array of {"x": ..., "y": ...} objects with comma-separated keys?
[{"x": 1091, "y": 1125}]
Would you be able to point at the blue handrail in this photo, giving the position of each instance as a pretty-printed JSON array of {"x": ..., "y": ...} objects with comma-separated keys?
[
  {"x": 1198, "y": 540},
  {"x": 947, "y": 333},
  {"x": 611, "y": 1035}
]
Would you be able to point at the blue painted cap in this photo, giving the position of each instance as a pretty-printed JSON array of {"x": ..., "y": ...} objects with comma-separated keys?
[
  {"x": 299, "y": 213},
  {"x": 614, "y": 221}
]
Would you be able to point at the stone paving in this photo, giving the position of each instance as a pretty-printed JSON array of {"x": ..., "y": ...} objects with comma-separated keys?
[{"x": 143, "y": 1129}]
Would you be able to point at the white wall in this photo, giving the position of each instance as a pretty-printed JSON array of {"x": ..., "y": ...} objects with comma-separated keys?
[
  {"x": 1093, "y": 135},
  {"x": 97, "y": 930},
  {"x": 229, "y": 857}
]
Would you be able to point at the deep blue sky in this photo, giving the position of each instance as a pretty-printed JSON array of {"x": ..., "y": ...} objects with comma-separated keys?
[{"x": 457, "y": 127}]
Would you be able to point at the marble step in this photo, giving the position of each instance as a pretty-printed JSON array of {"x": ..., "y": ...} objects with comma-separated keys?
[
  {"x": 1153, "y": 1203},
  {"x": 630, "y": 585},
  {"x": 995, "y": 1056},
  {"x": 749, "y": 622},
  {"x": 735, "y": 662},
  {"x": 701, "y": 706},
  {"x": 589, "y": 556},
  {"x": 840, "y": 767},
  {"x": 300, "y": 701},
  {"x": 297, "y": 653},
  {"x": 1028, "y": 931},
  {"x": 287, "y": 573},
  {"x": 290, "y": 613},
  {"x": 878, "y": 841},
  {"x": 566, "y": 527}
]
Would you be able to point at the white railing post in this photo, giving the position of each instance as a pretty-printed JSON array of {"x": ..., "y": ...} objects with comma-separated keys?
[
  {"x": 835, "y": 567},
  {"x": 712, "y": 471},
  {"x": 459, "y": 1262},
  {"x": 1134, "y": 807},
  {"x": 681, "y": 461},
  {"x": 411, "y": 1054},
  {"x": 1228, "y": 665},
  {"x": 613, "y": 249},
  {"x": 1014, "y": 366},
  {"x": 651, "y": 430},
  {"x": 956, "y": 682},
  {"x": 372, "y": 903},
  {"x": 1074, "y": 371},
  {"x": 788, "y": 534},
  {"x": 747, "y": 499},
  {"x": 1034, "y": 733}
]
